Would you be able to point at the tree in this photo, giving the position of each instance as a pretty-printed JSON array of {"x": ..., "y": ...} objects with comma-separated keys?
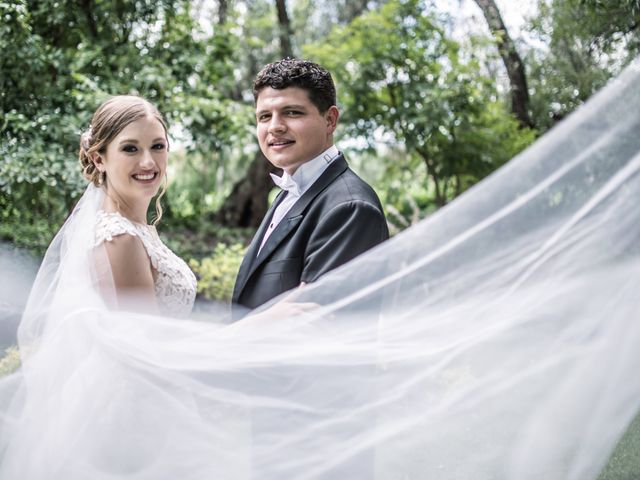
[
  {"x": 285, "y": 29},
  {"x": 60, "y": 61},
  {"x": 247, "y": 203},
  {"x": 586, "y": 43},
  {"x": 223, "y": 7},
  {"x": 402, "y": 79},
  {"x": 511, "y": 59},
  {"x": 612, "y": 17}
]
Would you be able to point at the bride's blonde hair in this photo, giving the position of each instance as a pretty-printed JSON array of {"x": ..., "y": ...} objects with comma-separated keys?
[{"x": 108, "y": 121}]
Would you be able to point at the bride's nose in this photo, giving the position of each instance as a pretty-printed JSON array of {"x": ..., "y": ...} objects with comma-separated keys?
[{"x": 147, "y": 162}]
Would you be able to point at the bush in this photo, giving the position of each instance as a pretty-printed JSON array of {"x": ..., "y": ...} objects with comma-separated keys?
[
  {"x": 197, "y": 238},
  {"x": 32, "y": 237},
  {"x": 217, "y": 273},
  {"x": 10, "y": 362}
]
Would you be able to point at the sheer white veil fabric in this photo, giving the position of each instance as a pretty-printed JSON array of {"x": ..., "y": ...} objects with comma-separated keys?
[{"x": 497, "y": 339}]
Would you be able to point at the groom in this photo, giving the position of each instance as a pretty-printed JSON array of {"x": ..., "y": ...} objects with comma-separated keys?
[{"x": 325, "y": 215}]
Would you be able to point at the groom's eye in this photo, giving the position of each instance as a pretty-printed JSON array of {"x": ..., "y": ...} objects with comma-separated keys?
[
  {"x": 264, "y": 116},
  {"x": 294, "y": 113}
]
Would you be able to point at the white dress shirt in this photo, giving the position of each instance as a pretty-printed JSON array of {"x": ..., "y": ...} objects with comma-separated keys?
[{"x": 297, "y": 184}]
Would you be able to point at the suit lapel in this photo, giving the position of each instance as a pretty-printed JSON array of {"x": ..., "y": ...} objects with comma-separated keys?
[
  {"x": 293, "y": 218},
  {"x": 252, "y": 251},
  {"x": 295, "y": 215},
  {"x": 338, "y": 166}
]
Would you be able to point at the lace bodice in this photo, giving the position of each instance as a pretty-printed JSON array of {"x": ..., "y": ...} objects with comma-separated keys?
[{"x": 175, "y": 283}]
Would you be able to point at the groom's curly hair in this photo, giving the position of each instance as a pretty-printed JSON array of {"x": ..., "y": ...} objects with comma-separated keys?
[{"x": 293, "y": 72}]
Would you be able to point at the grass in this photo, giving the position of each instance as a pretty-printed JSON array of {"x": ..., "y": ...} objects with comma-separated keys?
[{"x": 624, "y": 463}]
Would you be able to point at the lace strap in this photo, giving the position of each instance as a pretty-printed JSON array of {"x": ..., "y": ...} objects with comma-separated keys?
[
  {"x": 109, "y": 225},
  {"x": 112, "y": 224}
]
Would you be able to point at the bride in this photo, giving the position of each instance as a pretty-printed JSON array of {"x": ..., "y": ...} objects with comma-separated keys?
[
  {"x": 124, "y": 156},
  {"x": 496, "y": 340}
]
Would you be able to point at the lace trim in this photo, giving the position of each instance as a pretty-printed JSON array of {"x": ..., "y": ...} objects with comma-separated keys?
[{"x": 175, "y": 283}]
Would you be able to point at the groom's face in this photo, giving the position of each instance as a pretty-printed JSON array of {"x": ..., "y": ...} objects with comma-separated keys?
[{"x": 291, "y": 130}]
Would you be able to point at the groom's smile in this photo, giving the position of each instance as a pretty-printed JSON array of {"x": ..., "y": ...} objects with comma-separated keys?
[
  {"x": 279, "y": 144},
  {"x": 290, "y": 128}
]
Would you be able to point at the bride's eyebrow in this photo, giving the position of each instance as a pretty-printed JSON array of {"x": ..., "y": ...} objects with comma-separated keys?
[{"x": 133, "y": 140}]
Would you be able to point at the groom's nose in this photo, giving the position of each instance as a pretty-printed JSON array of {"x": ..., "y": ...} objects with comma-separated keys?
[{"x": 277, "y": 125}]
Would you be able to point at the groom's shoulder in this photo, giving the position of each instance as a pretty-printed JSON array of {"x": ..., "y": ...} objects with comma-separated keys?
[{"x": 350, "y": 186}]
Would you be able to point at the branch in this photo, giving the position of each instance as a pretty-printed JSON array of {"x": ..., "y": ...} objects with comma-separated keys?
[
  {"x": 511, "y": 60},
  {"x": 87, "y": 9}
]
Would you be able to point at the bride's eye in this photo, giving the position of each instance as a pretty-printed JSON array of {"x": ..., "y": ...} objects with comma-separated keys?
[
  {"x": 130, "y": 148},
  {"x": 158, "y": 146}
]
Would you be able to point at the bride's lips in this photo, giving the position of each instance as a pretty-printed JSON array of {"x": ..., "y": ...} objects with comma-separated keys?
[{"x": 147, "y": 177}]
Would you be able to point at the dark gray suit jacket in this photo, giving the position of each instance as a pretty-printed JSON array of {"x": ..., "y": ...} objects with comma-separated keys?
[{"x": 337, "y": 219}]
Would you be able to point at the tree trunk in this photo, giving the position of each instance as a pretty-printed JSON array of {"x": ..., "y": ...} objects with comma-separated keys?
[
  {"x": 285, "y": 29},
  {"x": 248, "y": 201},
  {"x": 223, "y": 7},
  {"x": 511, "y": 59},
  {"x": 87, "y": 8},
  {"x": 352, "y": 9}
]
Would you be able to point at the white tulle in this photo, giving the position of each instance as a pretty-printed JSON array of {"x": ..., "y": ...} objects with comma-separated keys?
[{"x": 498, "y": 339}]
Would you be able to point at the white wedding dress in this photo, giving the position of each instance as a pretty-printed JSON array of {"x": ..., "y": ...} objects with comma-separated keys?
[
  {"x": 498, "y": 339},
  {"x": 175, "y": 284}
]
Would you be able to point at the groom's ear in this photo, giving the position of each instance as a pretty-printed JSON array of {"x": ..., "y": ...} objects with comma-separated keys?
[{"x": 331, "y": 116}]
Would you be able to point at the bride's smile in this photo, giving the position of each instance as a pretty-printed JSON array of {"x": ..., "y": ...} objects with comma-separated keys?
[{"x": 134, "y": 164}]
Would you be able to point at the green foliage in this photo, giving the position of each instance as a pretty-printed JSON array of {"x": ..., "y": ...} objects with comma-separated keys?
[
  {"x": 199, "y": 183},
  {"x": 60, "y": 59},
  {"x": 10, "y": 362},
  {"x": 217, "y": 273},
  {"x": 403, "y": 81},
  {"x": 606, "y": 18},
  {"x": 405, "y": 198},
  {"x": 33, "y": 236},
  {"x": 624, "y": 462},
  {"x": 428, "y": 114},
  {"x": 196, "y": 238},
  {"x": 586, "y": 42}
]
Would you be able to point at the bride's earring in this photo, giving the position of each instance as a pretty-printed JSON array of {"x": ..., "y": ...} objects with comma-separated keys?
[{"x": 96, "y": 160}]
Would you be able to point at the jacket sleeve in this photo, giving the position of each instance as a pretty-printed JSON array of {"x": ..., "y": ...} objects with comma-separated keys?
[{"x": 348, "y": 230}]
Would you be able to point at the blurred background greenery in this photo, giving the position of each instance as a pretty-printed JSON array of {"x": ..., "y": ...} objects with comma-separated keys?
[{"x": 434, "y": 95}]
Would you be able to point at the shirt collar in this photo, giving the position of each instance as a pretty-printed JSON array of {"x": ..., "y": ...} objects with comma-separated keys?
[{"x": 307, "y": 173}]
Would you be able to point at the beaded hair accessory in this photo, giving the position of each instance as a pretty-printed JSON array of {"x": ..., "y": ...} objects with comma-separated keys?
[{"x": 86, "y": 138}]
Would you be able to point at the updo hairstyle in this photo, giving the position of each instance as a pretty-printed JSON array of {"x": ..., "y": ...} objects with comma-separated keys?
[{"x": 107, "y": 122}]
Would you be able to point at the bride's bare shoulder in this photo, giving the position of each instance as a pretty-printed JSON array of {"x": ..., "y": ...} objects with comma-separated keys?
[{"x": 131, "y": 267}]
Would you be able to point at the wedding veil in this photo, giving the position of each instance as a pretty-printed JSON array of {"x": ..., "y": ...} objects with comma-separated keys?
[{"x": 497, "y": 339}]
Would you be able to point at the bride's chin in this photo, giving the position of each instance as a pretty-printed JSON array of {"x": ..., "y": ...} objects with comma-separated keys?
[{"x": 150, "y": 190}]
